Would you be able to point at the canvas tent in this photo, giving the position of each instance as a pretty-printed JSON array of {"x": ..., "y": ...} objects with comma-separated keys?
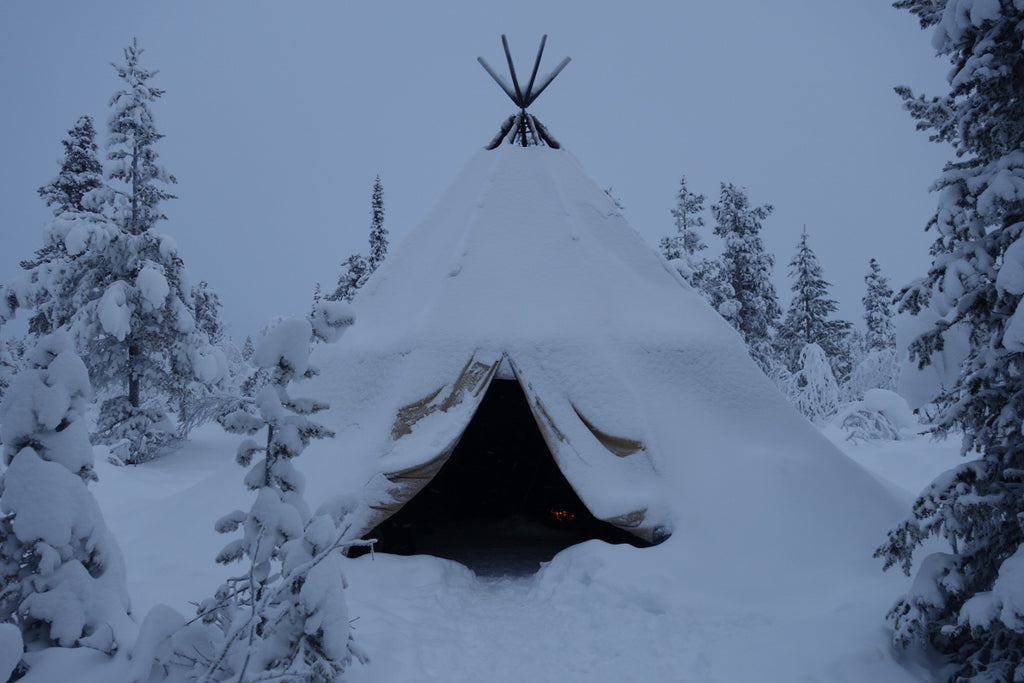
[
  {"x": 526, "y": 272},
  {"x": 646, "y": 397}
]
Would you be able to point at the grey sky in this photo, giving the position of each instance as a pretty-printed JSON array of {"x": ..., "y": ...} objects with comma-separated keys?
[{"x": 278, "y": 116}]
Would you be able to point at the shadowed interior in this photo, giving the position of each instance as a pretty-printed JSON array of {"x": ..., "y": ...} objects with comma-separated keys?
[{"x": 499, "y": 504}]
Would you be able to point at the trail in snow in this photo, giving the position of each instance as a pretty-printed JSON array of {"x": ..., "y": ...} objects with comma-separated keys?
[{"x": 579, "y": 619}]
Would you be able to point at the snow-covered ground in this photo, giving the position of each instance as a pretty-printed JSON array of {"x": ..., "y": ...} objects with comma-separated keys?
[{"x": 594, "y": 613}]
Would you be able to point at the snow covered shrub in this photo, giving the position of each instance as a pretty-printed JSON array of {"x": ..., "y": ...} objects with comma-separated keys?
[
  {"x": 877, "y": 369},
  {"x": 61, "y": 571},
  {"x": 812, "y": 389},
  {"x": 880, "y": 416},
  {"x": 781, "y": 377},
  {"x": 285, "y": 616},
  {"x": 134, "y": 434}
]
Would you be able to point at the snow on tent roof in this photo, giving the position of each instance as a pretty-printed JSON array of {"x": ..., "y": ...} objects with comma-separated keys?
[{"x": 648, "y": 400}]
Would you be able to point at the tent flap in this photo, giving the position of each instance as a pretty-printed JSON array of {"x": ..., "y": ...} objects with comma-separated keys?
[
  {"x": 617, "y": 445},
  {"x": 473, "y": 379}
]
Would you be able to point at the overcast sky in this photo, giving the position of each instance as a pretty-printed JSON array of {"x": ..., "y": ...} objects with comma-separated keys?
[{"x": 278, "y": 115}]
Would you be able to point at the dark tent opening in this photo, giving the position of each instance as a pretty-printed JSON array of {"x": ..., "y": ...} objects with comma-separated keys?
[{"x": 500, "y": 505}]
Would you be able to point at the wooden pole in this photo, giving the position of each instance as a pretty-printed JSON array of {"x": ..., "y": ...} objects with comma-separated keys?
[
  {"x": 512, "y": 70},
  {"x": 536, "y": 65}
]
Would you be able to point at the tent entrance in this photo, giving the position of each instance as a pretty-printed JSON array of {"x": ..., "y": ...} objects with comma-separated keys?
[{"x": 500, "y": 504}]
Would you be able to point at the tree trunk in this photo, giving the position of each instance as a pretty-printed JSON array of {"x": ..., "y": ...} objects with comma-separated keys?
[{"x": 133, "y": 376}]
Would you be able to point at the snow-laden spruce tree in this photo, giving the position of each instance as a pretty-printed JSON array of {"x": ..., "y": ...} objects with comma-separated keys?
[
  {"x": 876, "y": 364},
  {"x": 60, "y": 266},
  {"x": 356, "y": 269},
  {"x": 881, "y": 333},
  {"x": 195, "y": 399},
  {"x": 350, "y": 278},
  {"x": 106, "y": 276},
  {"x": 285, "y": 617},
  {"x": 70, "y": 194},
  {"x": 131, "y": 148},
  {"x": 134, "y": 320},
  {"x": 808, "y": 318},
  {"x": 746, "y": 296},
  {"x": 813, "y": 389},
  {"x": 968, "y": 602},
  {"x": 682, "y": 247},
  {"x": 80, "y": 173},
  {"x": 61, "y": 572},
  {"x": 378, "y": 233}
]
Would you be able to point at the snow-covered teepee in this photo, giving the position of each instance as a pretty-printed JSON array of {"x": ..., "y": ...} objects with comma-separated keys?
[{"x": 646, "y": 398}]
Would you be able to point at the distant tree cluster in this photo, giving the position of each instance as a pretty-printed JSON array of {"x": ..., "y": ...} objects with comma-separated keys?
[{"x": 818, "y": 361}]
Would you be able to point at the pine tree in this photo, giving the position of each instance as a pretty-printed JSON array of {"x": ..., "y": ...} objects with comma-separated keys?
[
  {"x": 745, "y": 295},
  {"x": 127, "y": 300},
  {"x": 248, "y": 349},
  {"x": 217, "y": 367},
  {"x": 206, "y": 306},
  {"x": 874, "y": 357},
  {"x": 881, "y": 334},
  {"x": 61, "y": 572},
  {"x": 80, "y": 172},
  {"x": 688, "y": 216},
  {"x": 285, "y": 617},
  {"x": 807, "y": 319},
  {"x": 966, "y": 603},
  {"x": 378, "y": 233},
  {"x": 131, "y": 150},
  {"x": 352, "y": 276},
  {"x": 356, "y": 269},
  {"x": 683, "y": 246},
  {"x": 141, "y": 333},
  {"x": 73, "y": 197}
]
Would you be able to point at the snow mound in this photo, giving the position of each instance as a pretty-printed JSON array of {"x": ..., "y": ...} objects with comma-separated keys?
[
  {"x": 115, "y": 315},
  {"x": 882, "y": 415},
  {"x": 152, "y": 285}
]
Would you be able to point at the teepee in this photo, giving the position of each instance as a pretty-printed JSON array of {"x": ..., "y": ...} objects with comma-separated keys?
[{"x": 646, "y": 398}]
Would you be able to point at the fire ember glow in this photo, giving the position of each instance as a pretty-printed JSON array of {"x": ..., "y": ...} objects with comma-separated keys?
[{"x": 561, "y": 515}]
